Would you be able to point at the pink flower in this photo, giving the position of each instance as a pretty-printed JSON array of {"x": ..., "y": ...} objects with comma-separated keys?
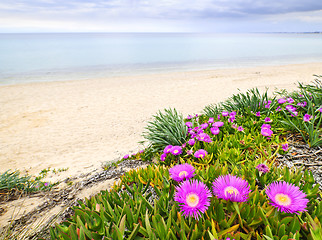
[
  {"x": 234, "y": 126},
  {"x": 182, "y": 172},
  {"x": 281, "y": 101},
  {"x": 290, "y": 100},
  {"x": 204, "y": 126},
  {"x": 307, "y": 118},
  {"x": 229, "y": 187},
  {"x": 176, "y": 150},
  {"x": 225, "y": 114},
  {"x": 167, "y": 149},
  {"x": 189, "y": 152},
  {"x": 201, "y": 153},
  {"x": 262, "y": 168},
  {"x": 278, "y": 108},
  {"x": 214, "y": 130},
  {"x": 266, "y": 126},
  {"x": 189, "y": 124},
  {"x": 126, "y": 156},
  {"x": 267, "y": 119},
  {"x": 191, "y": 141},
  {"x": 285, "y": 147},
  {"x": 218, "y": 124},
  {"x": 320, "y": 109},
  {"x": 163, "y": 156},
  {"x": 240, "y": 128},
  {"x": 211, "y": 120},
  {"x": 290, "y": 108},
  {"x": 204, "y": 137},
  {"x": 189, "y": 117},
  {"x": 266, "y": 130},
  {"x": 193, "y": 198},
  {"x": 231, "y": 119},
  {"x": 258, "y": 114}
]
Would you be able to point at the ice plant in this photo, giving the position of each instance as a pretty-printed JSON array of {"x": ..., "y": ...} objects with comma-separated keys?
[
  {"x": 214, "y": 130},
  {"x": 240, "y": 129},
  {"x": 285, "y": 147},
  {"x": 267, "y": 119},
  {"x": 266, "y": 130},
  {"x": 307, "y": 117},
  {"x": 258, "y": 114},
  {"x": 189, "y": 124},
  {"x": 163, "y": 156},
  {"x": 126, "y": 156},
  {"x": 290, "y": 100},
  {"x": 176, "y": 150},
  {"x": 225, "y": 114},
  {"x": 167, "y": 149},
  {"x": 201, "y": 153},
  {"x": 229, "y": 187},
  {"x": 281, "y": 100},
  {"x": 193, "y": 198},
  {"x": 182, "y": 172},
  {"x": 211, "y": 120},
  {"x": 218, "y": 124},
  {"x": 286, "y": 197},
  {"x": 262, "y": 168},
  {"x": 204, "y": 137},
  {"x": 191, "y": 141}
]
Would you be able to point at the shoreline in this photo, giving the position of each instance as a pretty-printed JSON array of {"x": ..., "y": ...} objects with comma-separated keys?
[{"x": 82, "y": 124}]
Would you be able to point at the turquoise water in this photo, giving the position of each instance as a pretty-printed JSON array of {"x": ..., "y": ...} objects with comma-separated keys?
[{"x": 69, "y": 56}]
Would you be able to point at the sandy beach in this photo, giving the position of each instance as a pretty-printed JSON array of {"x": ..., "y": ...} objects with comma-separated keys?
[{"x": 81, "y": 125}]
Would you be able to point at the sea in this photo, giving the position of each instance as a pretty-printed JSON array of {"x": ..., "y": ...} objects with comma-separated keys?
[{"x": 41, "y": 57}]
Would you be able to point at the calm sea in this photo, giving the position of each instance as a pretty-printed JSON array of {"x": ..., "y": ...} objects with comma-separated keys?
[{"x": 70, "y": 56}]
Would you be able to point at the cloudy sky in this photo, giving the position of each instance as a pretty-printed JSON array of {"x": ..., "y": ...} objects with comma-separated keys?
[{"x": 160, "y": 15}]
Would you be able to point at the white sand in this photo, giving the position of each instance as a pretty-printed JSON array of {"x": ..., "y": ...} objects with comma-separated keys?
[{"x": 81, "y": 124}]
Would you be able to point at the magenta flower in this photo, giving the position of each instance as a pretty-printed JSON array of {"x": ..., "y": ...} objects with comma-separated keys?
[
  {"x": 258, "y": 114},
  {"x": 211, "y": 120},
  {"x": 303, "y": 104},
  {"x": 218, "y": 116},
  {"x": 285, "y": 147},
  {"x": 214, "y": 130},
  {"x": 167, "y": 149},
  {"x": 294, "y": 114},
  {"x": 231, "y": 119},
  {"x": 163, "y": 156},
  {"x": 266, "y": 132},
  {"x": 225, "y": 114},
  {"x": 281, "y": 100},
  {"x": 126, "y": 156},
  {"x": 320, "y": 109},
  {"x": 191, "y": 141},
  {"x": 287, "y": 197},
  {"x": 189, "y": 124},
  {"x": 189, "y": 117},
  {"x": 201, "y": 153},
  {"x": 278, "y": 108},
  {"x": 176, "y": 150},
  {"x": 218, "y": 124},
  {"x": 193, "y": 198},
  {"x": 204, "y": 126},
  {"x": 182, "y": 172},
  {"x": 267, "y": 119},
  {"x": 290, "y": 108},
  {"x": 240, "y": 129},
  {"x": 234, "y": 126},
  {"x": 266, "y": 126},
  {"x": 204, "y": 137},
  {"x": 307, "y": 117},
  {"x": 229, "y": 187},
  {"x": 262, "y": 168},
  {"x": 232, "y": 114},
  {"x": 290, "y": 100}
]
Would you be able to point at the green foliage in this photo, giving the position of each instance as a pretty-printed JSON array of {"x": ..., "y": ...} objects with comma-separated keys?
[
  {"x": 212, "y": 110},
  {"x": 251, "y": 101},
  {"x": 141, "y": 206},
  {"x": 10, "y": 181},
  {"x": 167, "y": 128}
]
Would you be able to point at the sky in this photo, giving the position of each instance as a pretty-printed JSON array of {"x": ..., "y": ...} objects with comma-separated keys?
[{"x": 215, "y": 16}]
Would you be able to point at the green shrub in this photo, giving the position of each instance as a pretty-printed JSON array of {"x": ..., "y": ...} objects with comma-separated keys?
[{"x": 166, "y": 128}]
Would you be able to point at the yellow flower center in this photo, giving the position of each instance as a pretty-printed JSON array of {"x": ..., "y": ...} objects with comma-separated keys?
[
  {"x": 183, "y": 174},
  {"x": 282, "y": 199},
  {"x": 231, "y": 190},
  {"x": 175, "y": 151},
  {"x": 192, "y": 199}
]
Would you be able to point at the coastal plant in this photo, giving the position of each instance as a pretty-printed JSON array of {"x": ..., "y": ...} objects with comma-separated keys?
[
  {"x": 148, "y": 204},
  {"x": 166, "y": 128},
  {"x": 11, "y": 182},
  {"x": 212, "y": 110},
  {"x": 251, "y": 101}
]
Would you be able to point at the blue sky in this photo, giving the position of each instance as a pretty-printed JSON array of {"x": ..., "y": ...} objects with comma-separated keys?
[{"x": 160, "y": 15}]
